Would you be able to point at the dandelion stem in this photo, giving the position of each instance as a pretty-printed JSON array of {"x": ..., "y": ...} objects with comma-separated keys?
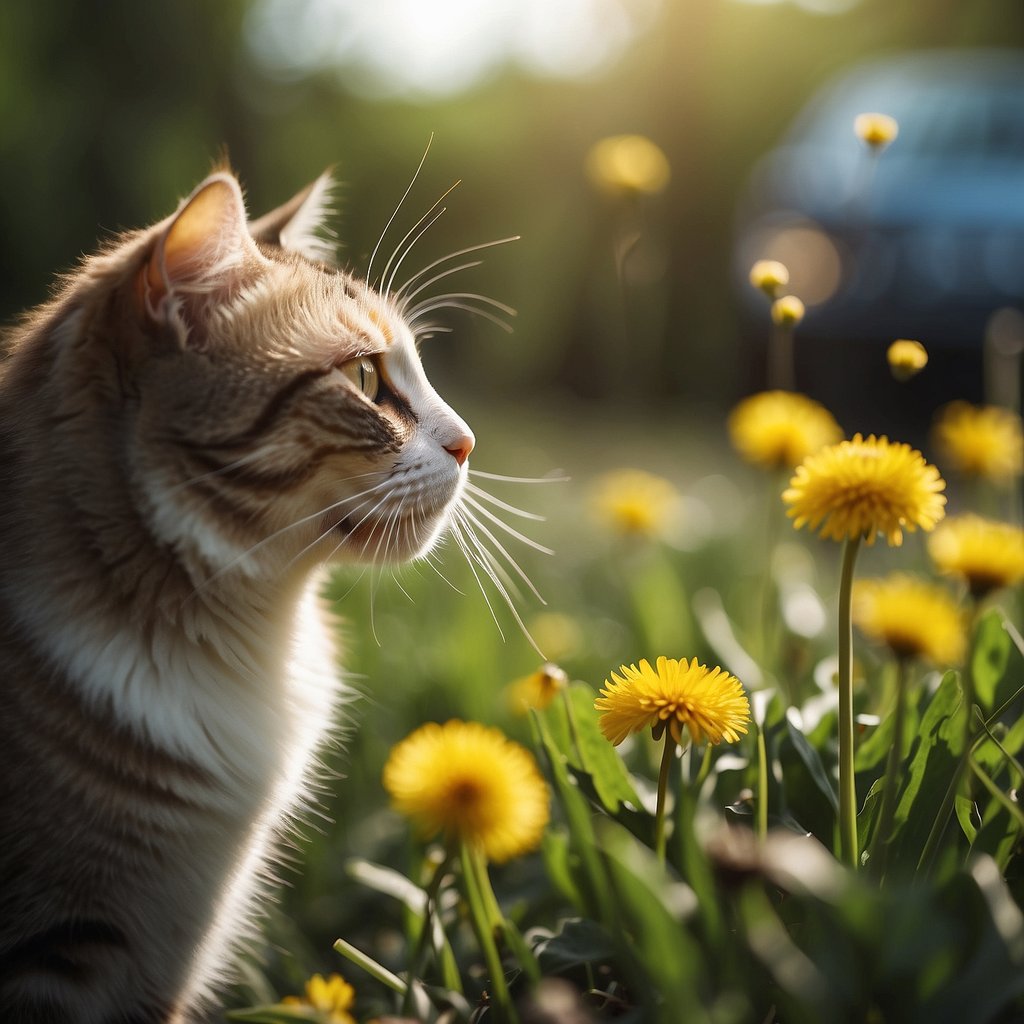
[
  {"x": 426, "y": 930},
  {"x": 879, "y": 850},
  {"x": 480, "y": 916},
  {"x": 667, "y": 757},
  {"x": 762, "y": 783},
  {"x": 847, "y": 781}
]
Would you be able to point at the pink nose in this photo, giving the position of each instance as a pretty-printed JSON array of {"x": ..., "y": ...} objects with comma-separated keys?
[{"x": 461, "y": 447}]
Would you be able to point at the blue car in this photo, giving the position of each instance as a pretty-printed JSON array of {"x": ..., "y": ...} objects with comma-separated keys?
[{"x": 924, "y": 239}]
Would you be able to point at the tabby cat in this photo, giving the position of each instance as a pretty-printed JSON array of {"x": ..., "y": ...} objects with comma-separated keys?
[{"x": 204, "y": 413}]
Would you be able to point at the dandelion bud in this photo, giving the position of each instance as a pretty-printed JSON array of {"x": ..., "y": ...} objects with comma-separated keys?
[
  {"x": 906, "y": 358},
  {"x": 769, "y": 276},
  {"x": 876, "y": 130},
  {"x": 787, "y": 311}
]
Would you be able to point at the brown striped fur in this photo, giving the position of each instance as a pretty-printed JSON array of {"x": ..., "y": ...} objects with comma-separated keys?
[{"x": 181, "y": 444}]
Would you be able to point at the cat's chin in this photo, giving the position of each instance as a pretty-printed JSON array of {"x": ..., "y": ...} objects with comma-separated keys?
[{"x": 383, "y": 542}]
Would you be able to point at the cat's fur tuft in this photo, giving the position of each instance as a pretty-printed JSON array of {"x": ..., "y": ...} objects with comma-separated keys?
[{"x": 202, "y": 415}]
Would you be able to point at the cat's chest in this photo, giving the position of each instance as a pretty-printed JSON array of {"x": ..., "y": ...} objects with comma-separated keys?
[{"x": 246, "y": 702}]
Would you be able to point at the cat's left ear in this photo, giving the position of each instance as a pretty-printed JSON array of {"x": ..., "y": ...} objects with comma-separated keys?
[
  {"x": 299, "y": 224},
  {"x": 201, "y": 251}
]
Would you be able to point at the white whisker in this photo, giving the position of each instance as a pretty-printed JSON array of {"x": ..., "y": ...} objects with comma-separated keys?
[
  {"x": 405, "y": 195},
  {"x": 481, "y": 493},
  {"x": 415, "y": 233},
  {"x": 401, "y": 293},
  {"x": 501, "y": 524},
  {"x": 469, "y": 308},
  {"x": 520, "y": 479},
  {"x": 512, "y": 563}
]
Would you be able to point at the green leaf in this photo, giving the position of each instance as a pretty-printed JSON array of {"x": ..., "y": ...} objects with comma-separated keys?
[
  {"x": 964, "y": 814},
  {"x": 578, "y": 941},
  {"x": 600, "y": 760},
  {"x": 933, "y": 762},
  {"x": 812, "y": 761},
  {"x": 989, "y": 660}
]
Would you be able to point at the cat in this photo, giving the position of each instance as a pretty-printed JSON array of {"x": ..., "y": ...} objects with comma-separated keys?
[{"x": 204, "y": 413}]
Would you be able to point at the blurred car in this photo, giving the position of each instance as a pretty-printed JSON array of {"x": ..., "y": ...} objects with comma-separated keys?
[{"x": 924, "y": 239}]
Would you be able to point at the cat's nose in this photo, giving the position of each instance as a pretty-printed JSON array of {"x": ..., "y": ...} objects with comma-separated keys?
[{"x": 461, "y": 446}]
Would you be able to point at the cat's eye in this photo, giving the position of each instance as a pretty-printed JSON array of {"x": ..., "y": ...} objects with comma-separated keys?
[{"x": 364, "y": 375}]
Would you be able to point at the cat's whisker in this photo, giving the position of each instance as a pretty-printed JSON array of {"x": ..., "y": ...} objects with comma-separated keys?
[
  {"x": 501, "y": 524},
  {"x": 256, "y": 456},
  {"x": 519, "y": 479},
  {"x": 407, "y": 299},
  {"x": 456, "y": 530},
  {"x": 487, "y": 496},
  {"x": 503, "y": 551},
  {"x": 401, "y": 203},
  {"x": 448, "y": 298},
  {"x": 402, "y": 292},
  {"x": 469, "y": 308},
  {"x": 432, "y": 560},
  {"x": 415, "y": 233},
  {"x": 478, "y": 553}
]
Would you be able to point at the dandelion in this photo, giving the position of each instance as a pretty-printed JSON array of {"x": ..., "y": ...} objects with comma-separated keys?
[
  {"x": 769, "y": 276},
  {"x": 912, "y": 617},
  {"x": 779, "y": 429},
  {"x": 538, "y": 689},
  {"x": 983, "y": 441},
  {"x": 628, "y": 164},
  {"x": 635, "y": 502},
  {"x": 677, "y": 695},
  {"x": 710, "y": 705},
  {"x": 876, "y": 130},
  {"x": 906, "y": 358},
  {"x": 470, "y": 784},
  {"x": 988, "y": 555},
  {"x": 787, "y": 311},
  {"x": 865, "y": 487},
  {"x": 331, "y": 997},
  {"x": 855, "y": 490}
]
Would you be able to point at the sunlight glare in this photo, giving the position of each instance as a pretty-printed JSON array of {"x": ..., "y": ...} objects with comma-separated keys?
[{"x": 401, "y": 47}]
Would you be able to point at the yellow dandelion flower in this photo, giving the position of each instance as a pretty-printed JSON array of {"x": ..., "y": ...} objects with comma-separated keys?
[
  {"x": 987, "y": 554},
  {"x": 469, "y": 783},
  {"x": 538, "y": 689},
  {"x": 633, "y": 501},
  {"x": 906, "y": 358},
  {"x": 787, "y": 311},
  {"x": 876, "y": 130},
  {"x": 863, "y": 487},
  {"x": 332, "y": 997},
  {"x": 710, "y": 704},
  {"x": 630, "y": 164},
  {"x": 912, "y": 617},
  {"x": 769, "y": 276},
  {"x": 779, "y": 429},
  {"x": 980, "y": 440}
]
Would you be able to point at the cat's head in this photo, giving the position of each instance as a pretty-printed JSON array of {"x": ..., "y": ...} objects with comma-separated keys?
[{"x": 281, "y": 412}]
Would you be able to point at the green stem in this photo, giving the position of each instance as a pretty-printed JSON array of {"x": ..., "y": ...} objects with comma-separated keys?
[
  {"x": 847, "y": 780},
  {"x": 667, "y": 756},
  {"x": 883, "y": 831},
  {"x": 762, "y": 784},
  {"x": 480, "y": 916},
  {"x": 423, "y": 940}
]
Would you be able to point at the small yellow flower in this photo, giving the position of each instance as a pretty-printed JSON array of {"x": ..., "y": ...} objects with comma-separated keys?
[
  {"x": 863, "y": 487},
  {"x": 538, "y": 689},
  {"x": 876, "y": 130},
  {"x": 980, "y": 440},
  {"x": 471, "y": 784},
  {"x": 779, "y": 429},
  {"x": 331, "y": 997},
  {"x": 787, "y": 311},
  {"x": 769, "y": 276},
  {"x": 906, "y": 358},
  {"x": 633, "y": 501},
  {"x": 912, "y": 617},
  {"x": 710, "y": 704},
  {"x": 987, "y": 554},
  {"x": 630, "y": 164}
]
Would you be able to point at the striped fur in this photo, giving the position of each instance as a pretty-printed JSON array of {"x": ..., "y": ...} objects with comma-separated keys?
[{"x": 181, "y": 446}]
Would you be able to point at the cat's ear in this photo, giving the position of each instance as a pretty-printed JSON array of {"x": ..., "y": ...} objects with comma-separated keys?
[
  {"x": 203, "y": 248},
  {"x": 299, "y": 225}
]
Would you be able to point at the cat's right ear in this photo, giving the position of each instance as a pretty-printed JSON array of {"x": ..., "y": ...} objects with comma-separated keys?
[{"x": 201, "y": 252}]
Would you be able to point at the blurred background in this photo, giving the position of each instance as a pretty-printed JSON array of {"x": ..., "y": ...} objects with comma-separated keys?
[{"x": 111, "y": 112}]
